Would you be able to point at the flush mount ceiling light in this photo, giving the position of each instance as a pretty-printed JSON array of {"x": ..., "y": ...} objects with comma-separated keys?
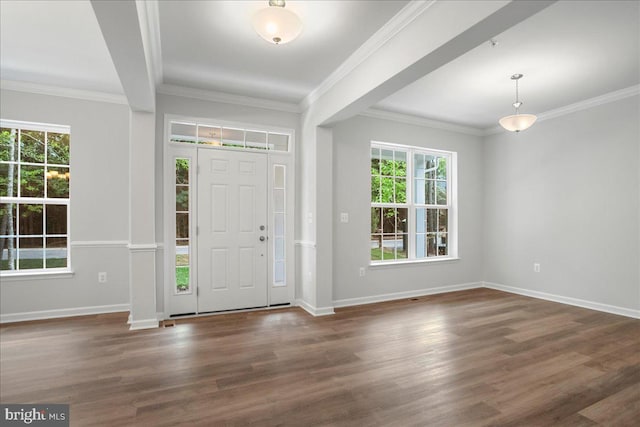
[
  {"x": 276, "y": 24},
  {"x": 517, "y": 122}
]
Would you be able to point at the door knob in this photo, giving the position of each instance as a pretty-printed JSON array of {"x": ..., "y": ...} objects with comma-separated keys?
[{"x": 262, "y": 238}]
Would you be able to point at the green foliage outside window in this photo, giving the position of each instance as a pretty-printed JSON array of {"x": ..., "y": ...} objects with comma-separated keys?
[{"x": 34, "y": 164}]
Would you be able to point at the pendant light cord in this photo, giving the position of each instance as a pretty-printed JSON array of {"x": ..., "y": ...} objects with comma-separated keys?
[{"x": 517, "y": 101}]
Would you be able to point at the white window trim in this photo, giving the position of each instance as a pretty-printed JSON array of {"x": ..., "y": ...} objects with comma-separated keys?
[
  {"x": 41, "y": 273},
  {"x": 49, "y": 273},
  {"x": 452, "y": 206}
]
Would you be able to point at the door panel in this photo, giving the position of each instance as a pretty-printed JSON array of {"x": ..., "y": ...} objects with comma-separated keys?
[{"x": 232, "y": 206}]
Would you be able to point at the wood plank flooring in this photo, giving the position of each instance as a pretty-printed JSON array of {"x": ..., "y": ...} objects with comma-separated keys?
[{"x": 471, "y": 358}]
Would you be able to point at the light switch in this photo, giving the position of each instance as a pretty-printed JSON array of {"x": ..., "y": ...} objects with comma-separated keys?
[{"x": 344, "y": 217}]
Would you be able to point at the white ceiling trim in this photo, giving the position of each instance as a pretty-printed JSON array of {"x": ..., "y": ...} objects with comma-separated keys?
[
  {"x": 617, "y": 95},
  {"x": 400, "y": 20},
  {"x": 227, "y": 98},
  {"x": 41, "y": 89},
  {"x": 149, "y": 17},
  {"x": 579, "y": 106},
  {"x": 377, "y": 113}
]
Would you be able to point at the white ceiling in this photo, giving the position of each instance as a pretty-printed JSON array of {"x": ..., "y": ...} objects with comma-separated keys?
[
  {"x": 569, "y": 52},
  {"x": 56, "y": 43},
  {"x": 212, "y": 45}
]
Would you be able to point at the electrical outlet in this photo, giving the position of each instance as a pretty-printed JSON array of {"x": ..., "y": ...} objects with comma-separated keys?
[
  {"x": 102, "y": 277},
  {"x": 536, "y": 267},
  {"x": 362, "y": 272},
  {"x": 344, "y": 217}
]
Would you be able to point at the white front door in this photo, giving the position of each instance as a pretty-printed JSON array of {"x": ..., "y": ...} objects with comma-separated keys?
[{"x": 232, "y": 236}]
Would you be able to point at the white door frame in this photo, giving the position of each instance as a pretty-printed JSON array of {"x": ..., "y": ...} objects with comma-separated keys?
[{"x": 275, "y": 295}]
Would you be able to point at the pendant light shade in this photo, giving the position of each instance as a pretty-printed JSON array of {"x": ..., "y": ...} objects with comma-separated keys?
[
  {"x": 276, "y": 24},
  {"x": 517, "y": 121}
]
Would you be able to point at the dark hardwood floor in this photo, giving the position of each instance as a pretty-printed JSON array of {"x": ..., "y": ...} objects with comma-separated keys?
[{"x": 471, "y": 358}]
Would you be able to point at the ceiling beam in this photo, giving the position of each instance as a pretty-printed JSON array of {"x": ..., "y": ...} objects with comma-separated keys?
[
  {"x": 122, "y": 31},
  {"x": 149, "y": 13},
  {"x": 441, "y": 33}
]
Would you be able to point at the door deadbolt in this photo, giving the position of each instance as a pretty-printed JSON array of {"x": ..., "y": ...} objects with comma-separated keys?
[{"x": 262, "y": 227}]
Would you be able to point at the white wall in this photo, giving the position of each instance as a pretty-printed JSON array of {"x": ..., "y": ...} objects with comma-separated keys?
[
  {"x": 351, "y": 187},
  {"x": 190, "y": 107},
  {"x": 565, "y": 194},
  {"x": 99, "y": 204}
]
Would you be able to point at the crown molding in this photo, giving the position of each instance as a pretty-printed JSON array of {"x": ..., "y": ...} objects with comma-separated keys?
[
  {"x": 591, "y": 102},
  {"x": 420, "y": 121},
  {"x": 579, "y": 106},
  {"x": 392, "y": 27},
  {"x": 149, "y": 16},
  {"x": 41, "y": 89},
  {"x": 227, "y": 98}
]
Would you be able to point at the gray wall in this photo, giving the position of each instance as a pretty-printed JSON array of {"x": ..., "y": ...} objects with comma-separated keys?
[
  {"x": 99, "y": 204},
  {"x": 565, "y": 194},
  {"x": 190, "y": 107},
  {"x": 351, "y": 187}
]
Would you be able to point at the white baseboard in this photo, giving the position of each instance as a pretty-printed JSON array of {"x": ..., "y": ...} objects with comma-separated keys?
[
  {"x": 143, "y": 324},
  {"x": 314, "y": 311},
  {"x": 621, "y": 311},
  {"x": 159, "y": 316},
  {"x": 65, "y": 312},
  {"x": 406, "y": 294}
]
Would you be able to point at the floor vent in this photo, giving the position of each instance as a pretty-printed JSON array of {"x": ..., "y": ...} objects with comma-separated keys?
[{"x": 169, "y": 323}]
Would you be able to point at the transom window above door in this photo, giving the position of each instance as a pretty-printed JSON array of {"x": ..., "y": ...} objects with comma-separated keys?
[{"x": 227, "y": 136}]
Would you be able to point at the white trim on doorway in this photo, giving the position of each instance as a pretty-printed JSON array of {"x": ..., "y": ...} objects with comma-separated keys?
[{"x": 171, "y": 150}]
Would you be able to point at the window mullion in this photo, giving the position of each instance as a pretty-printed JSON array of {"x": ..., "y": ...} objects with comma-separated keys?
[
  {"x": 19, "y": 152},
  {"x": 411, "y": 227},
  {"x": 44, "y": 205}
]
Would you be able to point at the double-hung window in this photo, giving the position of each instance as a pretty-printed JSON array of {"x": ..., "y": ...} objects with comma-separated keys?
[
  {"x": 413, "y": 206},
  {"x": 34, "y": 198}
]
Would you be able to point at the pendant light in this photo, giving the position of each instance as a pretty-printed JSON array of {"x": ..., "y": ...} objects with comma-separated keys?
[
  {"x": 276, "y": 24},
  {"x": 517, "y": 122}
]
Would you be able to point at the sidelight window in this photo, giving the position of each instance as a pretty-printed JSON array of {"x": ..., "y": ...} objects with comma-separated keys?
[{"x": 183, "y": 237}]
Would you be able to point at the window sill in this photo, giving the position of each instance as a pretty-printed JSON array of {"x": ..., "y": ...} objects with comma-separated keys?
[
  {"x": 36, "y": 275},
  {"x": 413, "y": 262}
]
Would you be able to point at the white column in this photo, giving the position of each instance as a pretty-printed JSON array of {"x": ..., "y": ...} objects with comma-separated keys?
[
  {"x": 316, "y": 249},
  {"x": 142, "y": 239},
  {"x": 324, "y": 220}
]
